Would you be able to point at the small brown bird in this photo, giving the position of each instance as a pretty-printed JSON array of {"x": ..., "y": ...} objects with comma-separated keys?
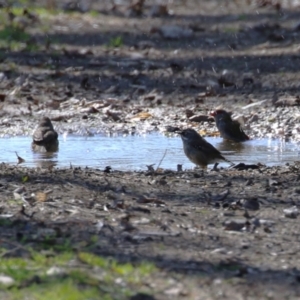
[
  {"x": 198, "y": 150},
  {"x": 45, "y": 138},
  {"x": 229, "y": 129}
]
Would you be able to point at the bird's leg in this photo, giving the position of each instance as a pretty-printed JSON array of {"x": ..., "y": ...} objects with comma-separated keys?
[
  {"x": 179, "y": 168},
  {"x": 204, "y": 168},
  {"x": 215, "y": 168}
]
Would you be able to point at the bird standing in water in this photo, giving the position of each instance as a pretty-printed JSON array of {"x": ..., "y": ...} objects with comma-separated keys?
[
  {"x": 45, "y": 138},
  {"x": 198, "y": 150},
  {"x": 229, "y": 129}
]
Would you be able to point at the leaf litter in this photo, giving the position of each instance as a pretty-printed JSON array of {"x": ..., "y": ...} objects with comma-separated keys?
[{"x": 222, "y": 233}]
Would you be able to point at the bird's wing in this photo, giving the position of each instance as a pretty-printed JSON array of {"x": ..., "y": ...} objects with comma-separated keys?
[
  {"x": 43, "y": 134},
  {"x": 38, "y": 135},
  {"x": 209, "y": 151},
  {"x": 50, "y": 136},
  {"x": 232, "y": 130},
  {"x": 207, "y": 148},
  {"x": 237, "y": 130}
]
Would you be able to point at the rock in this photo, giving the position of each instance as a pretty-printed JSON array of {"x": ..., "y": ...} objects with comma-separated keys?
[
  {"x": 200, "y": 118},
  {"x": 292, "y": 212},
  {"x": 173, "y": 32},
  {"x": 6, "y": 280}
]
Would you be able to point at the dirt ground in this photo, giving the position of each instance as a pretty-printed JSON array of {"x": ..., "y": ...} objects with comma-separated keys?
[{"x": 221, "y": 234}]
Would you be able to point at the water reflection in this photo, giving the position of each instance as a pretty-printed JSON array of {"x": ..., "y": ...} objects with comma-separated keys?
[
  {"x": 46, "y": 160},
  {"x": 266, "y": 151},
  {"x": 231, "y": 147}
]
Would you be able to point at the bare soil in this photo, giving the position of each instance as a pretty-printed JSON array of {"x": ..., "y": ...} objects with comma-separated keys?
[{"x": 221, "y": 234}]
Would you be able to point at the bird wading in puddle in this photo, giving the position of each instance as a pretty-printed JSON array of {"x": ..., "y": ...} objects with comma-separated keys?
[
  {"x": 45, "y": 138},
  {"x": 229, "y": 129},
  {"x": 198, "y": 150}
]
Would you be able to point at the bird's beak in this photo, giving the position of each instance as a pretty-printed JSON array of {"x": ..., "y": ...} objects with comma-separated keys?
[{"x": 213, "y": 113}]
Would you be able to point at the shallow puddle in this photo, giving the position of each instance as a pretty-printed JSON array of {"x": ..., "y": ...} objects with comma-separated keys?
[{"x": 135, "y": 152}]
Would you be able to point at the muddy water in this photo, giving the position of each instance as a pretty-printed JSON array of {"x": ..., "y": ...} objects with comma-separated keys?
[{"x": 135, "y": 152}]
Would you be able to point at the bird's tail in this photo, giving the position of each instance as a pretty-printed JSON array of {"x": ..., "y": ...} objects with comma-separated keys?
[{"x": 227, "y": 160}]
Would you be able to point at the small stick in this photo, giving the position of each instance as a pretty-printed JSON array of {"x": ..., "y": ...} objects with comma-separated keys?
[
  {"x": 162, "y": 159},
  {"x": 20, "y": 159}
]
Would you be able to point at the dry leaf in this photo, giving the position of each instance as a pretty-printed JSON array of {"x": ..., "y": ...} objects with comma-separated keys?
[
  {"x": 202, "y": 132},
  {"x": 200, "y": 118},
  {"x": 215, "y": 133},
  {"x": 288, "y": 101},
  {"x": 235, "y": 225},
  {"x": 41, "y": 197},
  {"x": 143, "y": 115},
  {"x": 150, "y": 200},
  {"x": 89, "y": 110}
]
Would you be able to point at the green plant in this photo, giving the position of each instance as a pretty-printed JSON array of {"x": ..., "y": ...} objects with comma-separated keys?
[
  {"x": 230, "y": 29},
  {"x": 242, "y": 17},
  {"x": 94, "y": 13},
  {"x": 116, "y": 42},
  {"x": 13, "y": 33},
  {"x": 44, "y": 275},
  {"x": 14, "y": 38}
]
